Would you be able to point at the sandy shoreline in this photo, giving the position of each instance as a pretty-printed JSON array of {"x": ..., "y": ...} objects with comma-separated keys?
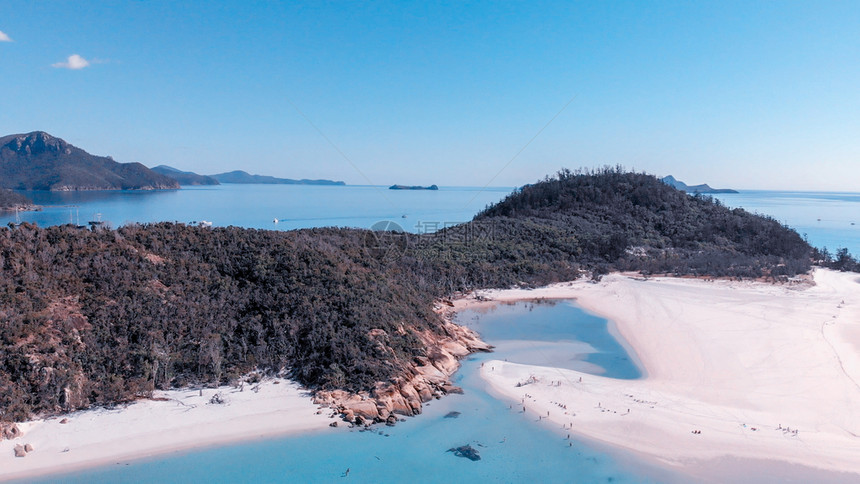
[
  {"x": 176, "y": 420},
  {"x": 764, "y": 372}
]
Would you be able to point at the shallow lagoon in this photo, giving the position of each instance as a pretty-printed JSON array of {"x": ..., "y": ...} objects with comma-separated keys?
[{"x": 513, "y": 448}]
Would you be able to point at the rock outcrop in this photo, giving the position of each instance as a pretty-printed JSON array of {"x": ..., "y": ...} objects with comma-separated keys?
[
  {"x": 10, "y": 431},
  {"x": 466, "y": 451},
  {"x": 428, "y": 379}
]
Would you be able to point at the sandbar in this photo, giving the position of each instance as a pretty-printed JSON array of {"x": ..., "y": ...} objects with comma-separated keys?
[{"x": 733, "y": 370}]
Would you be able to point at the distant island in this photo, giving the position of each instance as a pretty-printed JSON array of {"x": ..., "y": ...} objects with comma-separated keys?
[
  {"x": 39, "y": 161},
  {"x": 704, "y": 188},
  {"x": 185, "y": 177},
  {"x": 415, "y": 187},
  {"x": 239, "y": 176}
]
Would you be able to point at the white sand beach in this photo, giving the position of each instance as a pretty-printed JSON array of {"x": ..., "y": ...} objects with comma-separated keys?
[
  {"x": 733, "y": 370},
  {"x": 172, "y": 421}
]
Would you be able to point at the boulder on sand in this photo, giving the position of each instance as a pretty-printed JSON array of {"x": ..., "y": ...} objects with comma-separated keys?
[{"x": 10, "y": 431}]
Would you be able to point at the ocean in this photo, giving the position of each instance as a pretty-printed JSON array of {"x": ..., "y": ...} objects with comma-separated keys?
[{"x": 274, "y": 207}]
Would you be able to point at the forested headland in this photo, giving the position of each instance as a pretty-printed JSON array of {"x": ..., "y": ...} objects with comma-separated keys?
[
  {"x": 11, "y": 201},
  {"x": 106, "y": 316}
]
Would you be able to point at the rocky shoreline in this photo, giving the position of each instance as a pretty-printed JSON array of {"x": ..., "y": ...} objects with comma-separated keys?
[
  {"x": 21, "y": 208},
  {"x": 429, "y": 378}
]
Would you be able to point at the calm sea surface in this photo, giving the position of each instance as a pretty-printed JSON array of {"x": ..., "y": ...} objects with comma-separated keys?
[
  {"x": 257, "y": 206},
  {"x": 513, "y": 448}
]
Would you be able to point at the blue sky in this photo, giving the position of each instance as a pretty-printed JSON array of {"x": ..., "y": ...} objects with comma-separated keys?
[{"x": 747, "y": 95}]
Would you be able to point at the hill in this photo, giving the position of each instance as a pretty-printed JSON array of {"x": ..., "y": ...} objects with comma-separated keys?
[
  {"x": 39, "y": 161},
  {"x": 184, "y": 177},
  {"x": 703, "y": 188},
  {"x": 11, "y": 201},
  {"x": 615, "y": 220},
  {"x": 239, "y": 176},
  {"x": 96, "y": 318}
]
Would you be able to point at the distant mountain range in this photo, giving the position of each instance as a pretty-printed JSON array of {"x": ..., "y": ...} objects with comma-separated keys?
[
  {"x": 237, "y": 176},
  {"x": 185, "y": 177},
  {"x": 39, "y": 161},
  {"x": 703, "y": 188},
  {"x": 240, "y": 176}
]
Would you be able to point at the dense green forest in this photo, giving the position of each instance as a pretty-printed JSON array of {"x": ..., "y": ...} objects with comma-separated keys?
[{"x": 100, "y": 317}]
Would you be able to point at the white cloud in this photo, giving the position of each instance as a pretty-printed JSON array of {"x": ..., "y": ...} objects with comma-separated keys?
[
  {"x": 4, "y": 37},
  {"x": 73, "y": 62}
]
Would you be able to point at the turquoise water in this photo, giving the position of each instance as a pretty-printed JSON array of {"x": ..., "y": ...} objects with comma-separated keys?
[
  {"x": 513, "y": 447},
  {"x": 257, "y": 206},
  {"x": 552, "y": 333}
]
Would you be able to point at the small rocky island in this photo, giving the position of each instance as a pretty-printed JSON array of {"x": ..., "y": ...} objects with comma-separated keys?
[{"x": 414, "y": 187}]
